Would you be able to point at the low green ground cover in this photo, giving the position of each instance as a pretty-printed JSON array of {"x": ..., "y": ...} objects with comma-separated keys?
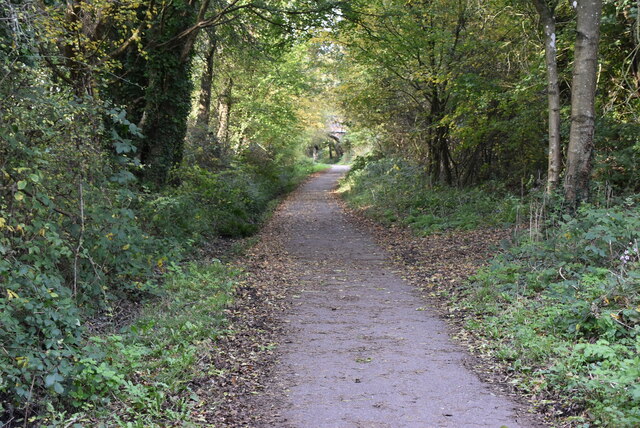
[
  {"x": 395, "y": 191},
  {"x": 140, "y": 375},
  {"x": 560, "y": 306},
  {"x": 564, "y": 313}
]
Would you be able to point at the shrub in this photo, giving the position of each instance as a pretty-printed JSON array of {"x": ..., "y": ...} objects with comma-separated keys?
[
  {"x": 570, "y": 304},
  {"x": 394, "y": 190},
  {"x": 229, "y": 203}
]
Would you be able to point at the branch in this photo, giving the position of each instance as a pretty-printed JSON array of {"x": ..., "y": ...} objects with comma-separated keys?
[
  {"x": 56, "y": 70},
  {"x": 233, "y": 7},
  {"x": 119, "y": 50},
  {"x": 208, "y": 22}
]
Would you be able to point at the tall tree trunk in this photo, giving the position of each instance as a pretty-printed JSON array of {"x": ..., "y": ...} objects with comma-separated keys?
[
  {"x": 168, "y": 93},
  {"x": 165, "y": 115},
  {"x": 204, "y": 102},
  {"x": 585, "y": 69},
  {"x": 224, "y": 113},
  {"x": 547, "y": 19}
]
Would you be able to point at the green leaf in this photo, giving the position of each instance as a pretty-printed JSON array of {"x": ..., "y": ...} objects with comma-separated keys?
[
  {"x": 22, "y": 184},
  {"x": 52, "y": 379}
]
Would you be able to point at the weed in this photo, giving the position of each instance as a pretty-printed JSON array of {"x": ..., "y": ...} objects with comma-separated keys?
[{"x": 569, "y": 307}]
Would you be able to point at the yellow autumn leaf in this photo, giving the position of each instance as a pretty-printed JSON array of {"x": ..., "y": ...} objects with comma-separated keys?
[
  {"x": 22, "y": 361},
  {"x": 126, "y": 247},
  {"x": 12, "y": 294},
  {"x": 2, "y": 222}
]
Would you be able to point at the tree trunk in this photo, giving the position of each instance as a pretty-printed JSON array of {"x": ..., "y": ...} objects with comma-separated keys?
[
  {"x": 204, "y": 102},
  {"x": 547, "y": 19},
  {"x": 165, "y": 116},
  {"x": 585, "y": 69},
  {"x": 168, "y": 92},
  {"x": 224, "y": 113}
]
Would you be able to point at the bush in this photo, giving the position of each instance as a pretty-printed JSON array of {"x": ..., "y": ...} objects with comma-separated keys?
[
  {"x": 229, "y": 203},
  {"x": 618, "y": 154},
  {"x": 56, "y": 271},
  {"x": 569, "y": 306},
  {"x": 393, "y": 190}
]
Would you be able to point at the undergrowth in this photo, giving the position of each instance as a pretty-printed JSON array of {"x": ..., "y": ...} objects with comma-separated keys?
[
  {"x": 230, "y": 203},
  {"x": 395, "y": 191},
  {"x": 60, "y": 269},
  {"x": 140, "y": 375},
  {"x": 564, "y": 313}
]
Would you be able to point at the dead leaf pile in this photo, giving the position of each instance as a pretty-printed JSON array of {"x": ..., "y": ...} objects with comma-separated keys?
[{"x": 239, "y": 364}]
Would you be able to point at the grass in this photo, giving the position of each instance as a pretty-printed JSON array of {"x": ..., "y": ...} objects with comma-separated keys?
[{"x": 148, "y": 365}]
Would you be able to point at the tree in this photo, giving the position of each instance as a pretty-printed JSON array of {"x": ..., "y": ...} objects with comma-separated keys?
[
  {"x": 224, "y": 112},
  {"x": 206, "y": 80},
  {"x": 442, "y": 83},
  {"x": 585, "y": 69},
  {"x": 548, "y": 22}
]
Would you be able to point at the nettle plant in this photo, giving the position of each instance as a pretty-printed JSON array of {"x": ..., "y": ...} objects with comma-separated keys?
[{"x": 572, "y": 303}]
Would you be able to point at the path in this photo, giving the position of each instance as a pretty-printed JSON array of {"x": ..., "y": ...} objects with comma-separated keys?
[{"x": 362, "y": 351}]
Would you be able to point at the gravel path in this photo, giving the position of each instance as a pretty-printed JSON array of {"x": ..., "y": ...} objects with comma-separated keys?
[{"x": 361, "y": 349}]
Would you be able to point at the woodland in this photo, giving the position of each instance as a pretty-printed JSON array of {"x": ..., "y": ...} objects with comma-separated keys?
[{"x": 137, "y": 136}]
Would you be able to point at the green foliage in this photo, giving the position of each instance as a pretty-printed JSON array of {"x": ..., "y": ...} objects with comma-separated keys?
[
  {"x": 618, "y": 156},
  {"x": 393, "y": 190},
  {"x": 70, "y": 246},
  {"x": 78, "y": 235},
  {"x": 437, "y": 84},
  {"x": 565, "y": 311},
  {"x": 153, "y": 360},
  {"x": 148, "y": 366},
  {"x": 167, "y": 93},
  {"x": 70, "y": 242},
  {"x": 230, "y": 203}
]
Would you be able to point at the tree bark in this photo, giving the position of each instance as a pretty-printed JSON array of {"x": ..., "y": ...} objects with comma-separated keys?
[
  {"x": 167, "y": 94},
  {"x": 548, "y": 22},
  {"x": 585, "y": 69},
  {"x": 204, "y": 102},
  {"x": 224, "y": 113},
  {"x": 164, "y": 123}
]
